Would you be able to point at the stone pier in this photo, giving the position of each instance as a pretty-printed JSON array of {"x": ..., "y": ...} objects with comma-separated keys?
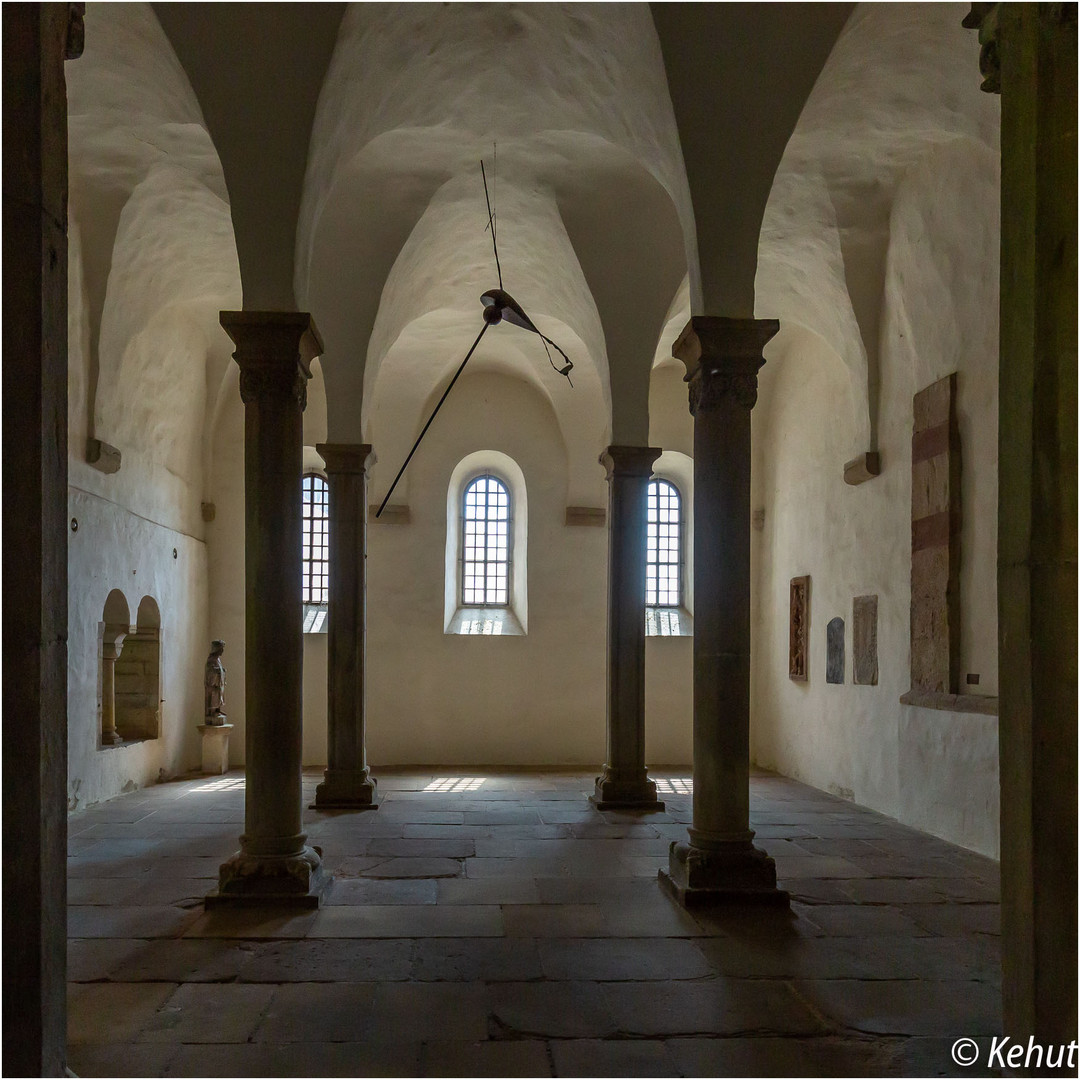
[
  {"x": 348, "y": 783},
  {"x": 274, "y": 865},
  {"x": 624, "y": 782},
  {"x": 720, "y": 864}
]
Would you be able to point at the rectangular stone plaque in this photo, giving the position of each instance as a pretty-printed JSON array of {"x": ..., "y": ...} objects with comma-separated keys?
[
  {"x": 798, "y": 631},
  {"x": 864, "y": 669},
  {"x": 834, "y": 661},
  {"x": 935, "y": 539}
]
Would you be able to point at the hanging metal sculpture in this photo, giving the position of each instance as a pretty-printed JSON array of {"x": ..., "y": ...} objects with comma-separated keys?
[{"x": 499, "y": 306}]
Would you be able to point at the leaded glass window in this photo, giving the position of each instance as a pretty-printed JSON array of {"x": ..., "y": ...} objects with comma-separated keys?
[
  {"x": 316, "y": 553},
  {"x": 663, "y": 559},
  {"x": 485, "y": 547}
]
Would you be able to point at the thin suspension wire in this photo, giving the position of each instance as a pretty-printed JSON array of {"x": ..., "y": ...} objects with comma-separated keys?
[
  {"x": 491, "y": 223},
  {"x": 460, "y": 369}
]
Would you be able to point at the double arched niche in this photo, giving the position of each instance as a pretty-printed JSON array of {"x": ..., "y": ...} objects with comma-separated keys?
[{"x": 129, "y": 666}]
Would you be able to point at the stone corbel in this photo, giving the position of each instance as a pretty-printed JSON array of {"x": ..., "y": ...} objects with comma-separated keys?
[
  {"x": 864, "y": 467},
  {"x": 102, "y": 456}
]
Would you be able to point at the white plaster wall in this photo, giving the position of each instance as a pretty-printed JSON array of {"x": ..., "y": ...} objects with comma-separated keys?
[
  {"x": 436, "y": 697},
  {"x": 117, "y": 549},
  {"x": 442, "y": 698},
  {"x": 891, "y": 177},
  {"x": 225, "y": 559},
  {"x": 932, "y": 769}
]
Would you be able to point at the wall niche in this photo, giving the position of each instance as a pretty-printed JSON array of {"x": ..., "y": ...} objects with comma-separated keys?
[{"x": 137, "y": 677}]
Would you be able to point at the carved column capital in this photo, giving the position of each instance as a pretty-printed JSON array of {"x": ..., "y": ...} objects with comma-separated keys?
[
  {"x": 274, "y": 350},
  {"x": 76, "y": 32},
  {"x": 722, "y": 358},
  {"x": 629, "y": 460},
  {"x": 984, "y": 18},
  {"x": 354, "y": 458}
]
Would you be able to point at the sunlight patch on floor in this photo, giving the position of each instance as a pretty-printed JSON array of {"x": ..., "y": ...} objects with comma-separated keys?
[{"x": 455, "y": 783}]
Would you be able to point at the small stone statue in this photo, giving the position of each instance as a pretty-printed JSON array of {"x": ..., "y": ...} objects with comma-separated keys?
[{"x": 215, "y": 684}]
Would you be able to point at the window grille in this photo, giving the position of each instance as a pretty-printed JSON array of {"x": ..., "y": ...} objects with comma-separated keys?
[
  {"x": 663, "y": 559},
  {"x": 316, "y": 553},
  {"x": 485, "y": 544}
]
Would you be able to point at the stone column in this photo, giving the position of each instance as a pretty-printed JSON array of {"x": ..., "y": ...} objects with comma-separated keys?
[
  {"x": 111, "y": 645},
  {"x": 624, "y": 783},
  {"x": 720, "y": 863},
  {"x": 36, "y": 39},
  {"x": 274, "y": 865},
  {"x": 1029, "y": 55},
  {"x": 348, "y": 783}
]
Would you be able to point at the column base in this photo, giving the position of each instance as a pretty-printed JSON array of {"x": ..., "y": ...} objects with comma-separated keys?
[
  {"x": 290, "y": 881},
  {"x": 733, "y": 873},
  {"x": 346, "y": 790},
  {"x": 611, "y": 794},
  {"x": 111, "y": 738}
]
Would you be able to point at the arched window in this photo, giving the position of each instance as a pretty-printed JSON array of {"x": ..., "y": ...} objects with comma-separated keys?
[
  {"x": 316, "y": 554},
  {"x": 485, "y": 543},
  {"x": 663, "y": 558}
]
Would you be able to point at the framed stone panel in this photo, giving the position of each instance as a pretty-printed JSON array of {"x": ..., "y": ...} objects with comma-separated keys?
[
  {"x": 799, "y": 630},
  {"x": 834, "y": 657},
  {"x": 864, "y": 664},
  {"x": 935, "y": 539}
]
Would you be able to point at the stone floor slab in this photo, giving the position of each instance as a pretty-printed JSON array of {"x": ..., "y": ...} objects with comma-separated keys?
[
  {"x": 554, "y": 920},
  {"x": 908, "y": 1007},
  {"x": 113, "y": 1012},
  {"x": 549, "y": 1010},
  {"x": 320, "y": 1012},
  {"x": 357, "y": 891},
  {"x": 304, "y": 1059},
  {"x": 414, "y": 868},
  {"x": 488, "y": 891},
  {"x": 526, "y": 1057},
  {"x": 208, "y": 1013},
  {"x": 342, "y": 960},
  {"x": 615, "y": 1057},
  {"x": 418, "y": 920},
  {"x": 122, "y": 1059},
  {"x": 703, "y": 1007},
  {"x": 779, "y": 1056},
  {"x": 630, "y": 958},
  {"x": 476, "y": 960},
  {"x": 426, "y": 975},
  {"x": 183, "y": 960},
  {"x": 128, "y": 922},
  {"x": 441, "y": 1012}
]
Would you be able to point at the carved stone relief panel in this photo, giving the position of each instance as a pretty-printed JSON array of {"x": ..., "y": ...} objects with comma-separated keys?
[
  {"x": 799, "y": 630},
  {"x": 864, "y": 666},
  {"x": 834, "y": 658},
  {"x": 935, "y": 539}
]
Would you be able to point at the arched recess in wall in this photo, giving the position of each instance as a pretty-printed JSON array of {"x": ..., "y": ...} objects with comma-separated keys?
[
  {"x": 138, "y": 676},
  {"x": 114, "y": 627},
  {"x": 890, "y": 92},
  {"x": 157, "y": 260},
  {"x": 514, "y": 618}
]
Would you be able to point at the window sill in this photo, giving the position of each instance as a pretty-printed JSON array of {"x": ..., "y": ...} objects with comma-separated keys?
[
  {"x": 128, "y": 740},
  {"x": 494, "y": 622},
  {"x": 315, "y": 618},
  {"x": 668, "y": 622}
]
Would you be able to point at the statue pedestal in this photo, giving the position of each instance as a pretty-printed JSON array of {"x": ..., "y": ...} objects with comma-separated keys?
[{"x": 215, "y": 748}]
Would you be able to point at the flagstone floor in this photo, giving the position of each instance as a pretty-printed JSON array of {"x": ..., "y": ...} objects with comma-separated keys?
[{"x": 486, "y": 924}]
